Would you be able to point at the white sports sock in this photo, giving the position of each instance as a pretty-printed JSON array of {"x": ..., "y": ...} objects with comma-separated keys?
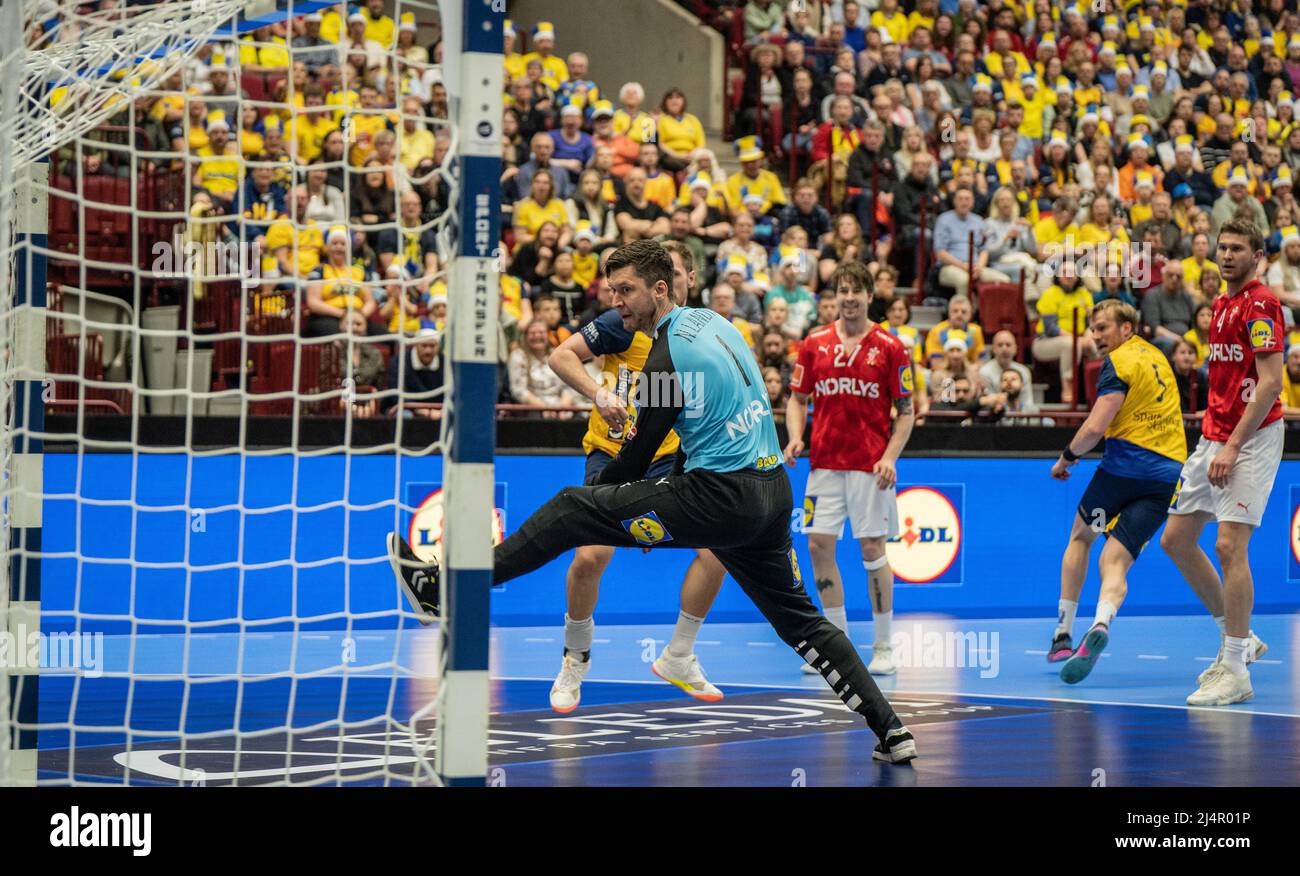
[
  {"x": 1222, "y": 624},
  {"x": 1066, "y": 609},
  {"x": 1234, "y": 654},
  {"x": 682, "y": 644},
  {"x": 577, "y": 634},
  {"x": 838, "y": 616},
  {"x": 1105, "y": 613},
  {"x": 883, "y": 623}
]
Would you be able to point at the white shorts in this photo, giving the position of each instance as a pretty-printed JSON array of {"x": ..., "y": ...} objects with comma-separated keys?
[
  {"x": 833, "y": 495},
  {"x": 1250, "y": 482}
]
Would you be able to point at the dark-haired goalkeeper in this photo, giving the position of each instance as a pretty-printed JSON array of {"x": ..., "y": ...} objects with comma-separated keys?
[
  {"x": 1137, "y": 411},
  {"x": 731, "y": 495}
]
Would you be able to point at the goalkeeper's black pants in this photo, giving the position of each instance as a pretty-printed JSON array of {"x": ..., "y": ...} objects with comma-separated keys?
[{"x": 744, "y": 518}]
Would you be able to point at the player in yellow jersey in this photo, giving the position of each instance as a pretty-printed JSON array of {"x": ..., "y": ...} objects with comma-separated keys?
[
  {"x": 1138, "y": 413},
  {"x": 612, "y": 418}
]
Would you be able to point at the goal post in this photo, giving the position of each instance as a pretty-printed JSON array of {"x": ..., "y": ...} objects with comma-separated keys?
[{"x": 138, "y": 484}]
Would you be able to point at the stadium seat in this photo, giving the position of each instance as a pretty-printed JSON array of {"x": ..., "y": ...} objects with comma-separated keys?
[
  {"x": 1091, "y": 372},
  {"x": 1002, "y": 308}
]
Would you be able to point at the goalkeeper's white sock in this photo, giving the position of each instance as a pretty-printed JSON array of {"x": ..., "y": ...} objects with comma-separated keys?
[
  {"x": 577, "y": 636},
  {"x": 838, "y": 616},
  {"x": 682, "y": 644}
]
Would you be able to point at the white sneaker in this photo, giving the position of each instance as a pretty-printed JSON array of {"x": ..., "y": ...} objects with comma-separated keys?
[
  {"x": 882, "y": 661},
  {"x": 1223, "y": 688},
  {"x": 1255, "y": 649},
  {"x": 685, "y": 672},
  {"x": 567, "y": 690}
]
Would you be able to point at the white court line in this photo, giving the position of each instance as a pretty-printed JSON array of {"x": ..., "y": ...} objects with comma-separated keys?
[
  {"x": 315, "y": 637},
  {"x": 1270, "y": 662},
  {"x": 371, "y": 638},
  {"x": 1037, "y": 653},
  {"x": 539, "y": 640},
  {"x": 761, "y": 644},
  {"x": 706, "y": 642},
  {"x": 1153, "y": 657},
  {"x": 600, "y": 641},
  {"x": 816, "y": 683}
]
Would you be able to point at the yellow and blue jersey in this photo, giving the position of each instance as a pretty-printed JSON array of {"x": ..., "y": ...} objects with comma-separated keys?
[
  {"x": 1145, "y": 440},
  {"x": 624, "y": 355}
]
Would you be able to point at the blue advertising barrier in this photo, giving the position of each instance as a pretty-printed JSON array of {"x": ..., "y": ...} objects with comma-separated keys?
[{"x": 979, "y": 538}]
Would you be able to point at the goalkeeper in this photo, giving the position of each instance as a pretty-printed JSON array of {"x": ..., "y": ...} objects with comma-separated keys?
[{"x": 731, "y": 495}]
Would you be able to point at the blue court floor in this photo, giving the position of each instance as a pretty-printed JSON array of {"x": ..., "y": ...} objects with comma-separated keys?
[{"x": 985, "y": 706}]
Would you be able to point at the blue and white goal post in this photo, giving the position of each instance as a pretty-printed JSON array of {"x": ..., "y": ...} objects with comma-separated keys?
[{"x": 474, "y": 82}]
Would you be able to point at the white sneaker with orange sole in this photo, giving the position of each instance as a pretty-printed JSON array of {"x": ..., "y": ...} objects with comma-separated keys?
[
  {"x": 567, "y": 690},
  {"x": 685, "y": 673}
]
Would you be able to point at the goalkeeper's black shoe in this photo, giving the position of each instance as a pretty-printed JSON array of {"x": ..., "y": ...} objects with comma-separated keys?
[
  {"x": 898, "y": 746},
  {"x": 417, "y": 579}
]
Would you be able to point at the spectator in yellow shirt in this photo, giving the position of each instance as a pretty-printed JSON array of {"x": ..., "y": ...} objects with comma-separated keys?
[
  {"x": 514, "y": 62},
  {"x": 308, "y": 128},
  {"x": 336, "y": 287},
  {"x": 752, "y": 178},
  {"x": 680, "y": 132},
  {"x": 890, "y": 19},
  {"x": 553, "y": 66},
  {"x": 379, "y": 27},
  {"x": 415, "y": 139},
  {"x": 629, "y": 119},
  {"x": 1291, "y": 381},
  {"x": 220, "y": 168},
  {"x": 541, "y": 206},
  {"x": 1063, "y": 313},
  {"x": 1199, "y": 334},
  {"x": 660, "y": 187}
]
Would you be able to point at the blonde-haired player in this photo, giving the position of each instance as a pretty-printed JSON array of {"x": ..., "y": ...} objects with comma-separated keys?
[{"x": 1138, "y": 412}]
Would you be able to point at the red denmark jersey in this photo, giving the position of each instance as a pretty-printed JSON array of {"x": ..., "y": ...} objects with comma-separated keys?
[
  {"x": 852, "y": 394},
  {"x": 1242, "y": 325}
]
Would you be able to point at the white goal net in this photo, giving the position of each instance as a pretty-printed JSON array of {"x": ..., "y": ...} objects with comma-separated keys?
[{"x": 233, "y": 354}]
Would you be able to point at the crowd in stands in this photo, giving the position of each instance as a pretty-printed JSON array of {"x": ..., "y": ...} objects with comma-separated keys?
[
  {"x": 959, "y": 149},
  {"x": 1075, "y": 151}
]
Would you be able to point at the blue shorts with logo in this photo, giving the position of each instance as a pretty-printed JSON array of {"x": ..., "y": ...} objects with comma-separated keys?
[
  {"x": 1130, "y": 509},
  {"x": 598, "y": 459}
]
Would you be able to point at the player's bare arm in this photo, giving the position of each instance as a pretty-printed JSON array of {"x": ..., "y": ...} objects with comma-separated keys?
[
  {"x": 1092, "y": 430},
  {"x": 567, "y": 362},
  {"x": 885, "y": 469},
  {"x": 796, "y": 415},
  {"x": 1259, "y": 403}
]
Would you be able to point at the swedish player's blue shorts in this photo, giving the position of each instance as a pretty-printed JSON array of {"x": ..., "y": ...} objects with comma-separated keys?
[
  {"x": 598, "y": 459},
  {"x": 1130, "y": 509}
]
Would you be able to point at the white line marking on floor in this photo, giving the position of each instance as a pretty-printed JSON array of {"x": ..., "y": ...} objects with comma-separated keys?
[
  {"x": 370, "y": 638},
  {"x": 706, "y": 642},
  {"x": 1206, "y": 659},
  {"x": 600, "y": 641},
  {"x": 314, "y": 637},
  {"x": 1037, "y": 653},
  {"x": 538, "y": 640},
  {"x": 816, "y": 683},
  {"x": 761, "y": 644},
  {"x": 1153, "y": 657},
  {"x": 1271, "y": 662}
]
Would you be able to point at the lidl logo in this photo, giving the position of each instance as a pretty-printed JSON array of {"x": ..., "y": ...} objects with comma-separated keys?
[
  {"x": 905, "y": 379},
  {"x": 809, "y": 508},
  {"x": 928, "y": 547},
  {"x": 647, "y": 529},
  {"x": 425, "y": 530},
  {"x": 1261, "y": 334}
]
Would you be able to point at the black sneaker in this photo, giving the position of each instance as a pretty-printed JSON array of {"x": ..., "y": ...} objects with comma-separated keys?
[
  {"x": 1062, "y": 649},
  {"x": 418, "y": 580},
  {"x": 897, "y": 747}
]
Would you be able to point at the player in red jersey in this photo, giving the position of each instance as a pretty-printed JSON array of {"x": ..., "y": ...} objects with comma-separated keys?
[
  {"x": 857, "y": 374},
  {"x": 1229, "y": 476}
]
